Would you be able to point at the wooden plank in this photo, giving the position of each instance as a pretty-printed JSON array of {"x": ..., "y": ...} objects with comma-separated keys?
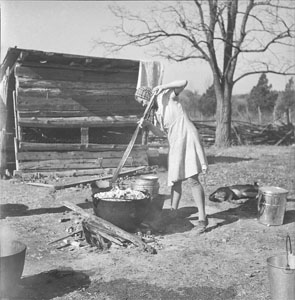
[
  {"x": 78, "y": 105},
  {"x": 71, "y": 122},
  {"x": 81, "y": 163},
  {"x": 89, "y": 180},
  {"x": 68, "y": 92},
  {"x": 83, "y": 112},
  {"x": 59, "y": 135},
  {"x": 29, "y": 83},
  {"x": 59, "y": 73},
  {"x": 38, "y": 184},
  {"x": 25, "y": 146},
  {"x": 76, "y": 101},
  {"x": 54, "y": 155},
  {"x": 84, "y": 135},
  {"x": 71, "y": 60},
  {"x": 27, "y": 174}
]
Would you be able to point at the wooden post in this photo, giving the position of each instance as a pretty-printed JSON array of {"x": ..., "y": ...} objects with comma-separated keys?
[
  {"x": 3, "y": 160},
  {"x": 145, "y": 134},
  {"x": 16, "y": 125},
  {"x": 84, "y": 135},
  {"x": 15, "y": 153}
]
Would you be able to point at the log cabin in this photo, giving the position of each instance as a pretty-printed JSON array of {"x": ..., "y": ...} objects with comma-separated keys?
[{"x": 67, "y": 114}]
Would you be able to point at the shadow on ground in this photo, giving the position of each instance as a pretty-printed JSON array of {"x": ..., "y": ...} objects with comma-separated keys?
[
  {"x": 290, "y": 213},
  {"x": 19, "y": 210},
  {"x": 163, "y": 223},
  {"x": 51, "y": 284},
  {"x": 125, "y": 289},
  {"x": 225, "y": 159},
  {"x": 247, "y": 210}
]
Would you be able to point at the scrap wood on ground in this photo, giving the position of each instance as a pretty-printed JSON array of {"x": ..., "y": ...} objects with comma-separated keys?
[{"x": 85, "y": 181}]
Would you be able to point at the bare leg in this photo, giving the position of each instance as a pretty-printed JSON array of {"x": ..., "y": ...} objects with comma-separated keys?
[
  {"x": 199, "y": 197},
  {"x": 176, "y": 190}
]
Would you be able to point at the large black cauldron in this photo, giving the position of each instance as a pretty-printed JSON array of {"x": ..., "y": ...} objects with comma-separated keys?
[{"x": 126, "y": 214}]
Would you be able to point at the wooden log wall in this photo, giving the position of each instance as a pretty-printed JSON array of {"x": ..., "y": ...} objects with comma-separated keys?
[
  {"x": 63, "y": 93},
  {"x": 77, "y": 87}
]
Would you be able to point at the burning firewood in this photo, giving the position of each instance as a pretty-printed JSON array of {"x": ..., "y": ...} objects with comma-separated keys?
[
  {"x": 107, "y": 230},
  {"x": 96, "y": 235},
  {"x": 95, "y": 238}
]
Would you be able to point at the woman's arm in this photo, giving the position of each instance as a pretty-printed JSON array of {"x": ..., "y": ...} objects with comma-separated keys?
[
  {"x": 178, "y": 86},
  {"x": 154, "y": 129}
]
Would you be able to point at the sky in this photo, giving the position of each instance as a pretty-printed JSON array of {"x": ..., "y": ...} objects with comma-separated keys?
[{"x": 72, "y": 26}]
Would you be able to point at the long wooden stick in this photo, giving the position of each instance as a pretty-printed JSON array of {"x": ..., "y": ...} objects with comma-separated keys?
[
  {"x": 282, "y": 139},
  {"x": 60, "y": 239},
  {"x": 132, "y": 141}
]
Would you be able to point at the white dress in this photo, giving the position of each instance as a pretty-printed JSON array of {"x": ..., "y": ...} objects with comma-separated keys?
[{"x": 186, "y": 153}]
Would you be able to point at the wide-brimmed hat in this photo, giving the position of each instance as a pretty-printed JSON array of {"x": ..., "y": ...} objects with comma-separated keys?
[{"x": 144, "y": 92}]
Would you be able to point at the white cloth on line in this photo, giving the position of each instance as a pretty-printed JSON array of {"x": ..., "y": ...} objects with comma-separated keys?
[{"x": 150, "y": 74}]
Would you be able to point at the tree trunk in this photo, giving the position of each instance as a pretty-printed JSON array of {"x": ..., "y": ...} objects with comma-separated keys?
[
  {"x": 223, "y": 117},
  {"x": 288, "y": 121},
  {"x": 259, "y": 115},
  {"x": 248, "y": 113},
  {"x": 274, "y": 115}
]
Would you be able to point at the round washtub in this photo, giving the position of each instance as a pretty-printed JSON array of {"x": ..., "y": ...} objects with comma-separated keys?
[
  {"x": 12, "y": 260},
  {"x": 124, "y": 213}
]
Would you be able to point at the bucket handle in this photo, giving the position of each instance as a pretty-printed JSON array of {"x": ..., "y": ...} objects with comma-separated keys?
[
  {"x": 259, "y": 198},
  {"x": 288, "y": 243}
]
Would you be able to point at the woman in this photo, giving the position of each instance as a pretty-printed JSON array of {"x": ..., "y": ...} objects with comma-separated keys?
[{"x": 186, "y": 159}]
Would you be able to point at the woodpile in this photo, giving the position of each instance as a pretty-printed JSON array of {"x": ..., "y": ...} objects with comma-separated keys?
[
  {"x": 245, "y": 133},
  {"x": 242, "y": 133},
  {"x": 255, "y": 134}
]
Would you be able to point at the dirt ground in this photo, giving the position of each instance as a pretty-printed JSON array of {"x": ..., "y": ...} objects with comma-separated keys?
[{"x": 228, "y": 261}]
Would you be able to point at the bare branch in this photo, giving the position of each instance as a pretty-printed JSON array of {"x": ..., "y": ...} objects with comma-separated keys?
[
  {"x": 179, "y": 33},
  {"x": 276, "y": 6},
  {"x": 221, "y": 22},
  {"x": 286, "y": 72}
]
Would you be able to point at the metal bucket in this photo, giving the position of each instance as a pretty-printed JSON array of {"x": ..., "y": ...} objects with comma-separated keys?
[
  {"x": 148, "y": 184},
  {"x": 272, "y": 205},
  {"x": 281, "y": 277},
  {"x": 12, "y": 259}
]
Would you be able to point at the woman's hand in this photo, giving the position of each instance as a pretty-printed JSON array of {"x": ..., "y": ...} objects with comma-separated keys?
[
  {"x": 204, "y": 169},
  {"x": 143, "y": 123},
  {"x": 158, "y": 89},
  {"x": 154, "y": 129}
]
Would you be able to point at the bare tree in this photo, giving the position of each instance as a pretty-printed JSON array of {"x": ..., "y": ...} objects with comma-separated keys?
[{"x": 224, "y": 33}]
